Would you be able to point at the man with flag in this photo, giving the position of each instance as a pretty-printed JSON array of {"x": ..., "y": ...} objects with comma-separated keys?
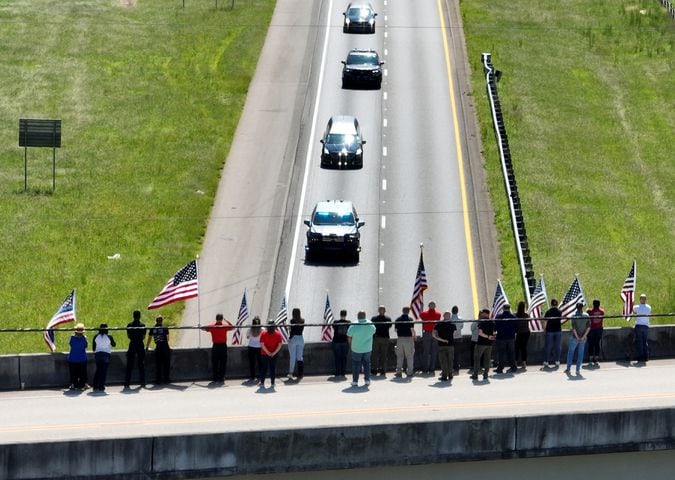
[
  {"x": 218, "y": 331},
  {"x": 642, "y": 310}
]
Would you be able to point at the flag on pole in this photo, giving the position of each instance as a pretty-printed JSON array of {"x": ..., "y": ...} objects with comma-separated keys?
[
  {"x": 499, "y": 301},
  {"x": 417, "y": 302},
  {"x": 281, "y": 319},
  {"x": 628, "y": 291},
  {"x": 65, "y": 314},
  {"x": 573, "y": 296},
  {"x": 538, "y": 299},
  {"x": 242, "y": 318},
  {"x": 327, "y": 329},
  {"x": 183, "y": 285}
]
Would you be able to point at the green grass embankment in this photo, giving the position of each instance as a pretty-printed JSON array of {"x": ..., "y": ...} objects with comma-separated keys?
[
  {"x": 150, "y": 95},
  {"x": 588, "y": 97}
]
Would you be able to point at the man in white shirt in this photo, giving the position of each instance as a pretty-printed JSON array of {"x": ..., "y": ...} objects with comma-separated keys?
[{"x": 642, "y": 312}]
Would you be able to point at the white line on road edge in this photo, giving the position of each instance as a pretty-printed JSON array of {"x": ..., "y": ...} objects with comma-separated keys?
[
  {"x": 385, "y": 35},
  {"x": 384, "y": 123},
  {"x": 383, "y": 222},
  {"x": 384, "y": 95},
  {"x": 384, "y": 184},
  {"x": 386, "y": 72},
  {"x": 386, "y": 52},
  {"x": 384, "y": 151},
  {"x": 381, "y": 267},
  {"x": 315, "y": 115}
]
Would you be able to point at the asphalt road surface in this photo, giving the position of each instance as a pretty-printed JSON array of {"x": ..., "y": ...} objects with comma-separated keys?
[
  {"x": 43, "y": 415},
  {"x": 415, "y": 187}
]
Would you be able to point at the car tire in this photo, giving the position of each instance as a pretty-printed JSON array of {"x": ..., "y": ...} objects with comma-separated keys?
[
  {"x": 344, "y": 83},
  {"x": 356, "y": 256},
  {"x": 378, "y": 85},
  {"x": 372, "y": 30},
  {"x": 345, "y": 29}
]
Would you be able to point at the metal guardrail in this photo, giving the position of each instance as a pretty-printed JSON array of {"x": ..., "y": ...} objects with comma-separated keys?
[
  {"x": 669, "y": 6},
  {"x": 517, "y": 219}
]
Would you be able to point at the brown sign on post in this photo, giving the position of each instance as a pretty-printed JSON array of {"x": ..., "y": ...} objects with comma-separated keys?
[{"x": 39, "y": 133}]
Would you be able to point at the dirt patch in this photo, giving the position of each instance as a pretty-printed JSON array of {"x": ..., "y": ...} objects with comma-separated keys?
[{"x": 128, "y": 3}]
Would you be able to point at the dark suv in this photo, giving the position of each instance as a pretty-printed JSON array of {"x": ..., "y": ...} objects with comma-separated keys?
[
  {"x": 334, "y": 226},
  {"x": 359, "y": 17},
  {"x": 362, "y": 67},
  {"x": 342, "y": 143}
]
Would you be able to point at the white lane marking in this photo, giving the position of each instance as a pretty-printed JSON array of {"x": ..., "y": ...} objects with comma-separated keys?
[
  {"x": 385, "y": 18},
  {"x": 384, "y": 95},
  {"x": 308, "y": 158},
  {"x": 381, "y": 267},
  {"x": 386, "y": 51},
  {"x": 384, "y": 151},
  {"x": 385, "y": 35},
  {"x": 384, "y": 123},
  {"x": 386, "y": 72},
  {"x": 385, "y": 3},
  {"x": 383, "y": 222},
  {"x": 384, "y": 184}
]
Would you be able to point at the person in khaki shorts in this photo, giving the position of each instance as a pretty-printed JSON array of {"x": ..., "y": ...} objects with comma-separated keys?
[{"x": 405, "y": 344}]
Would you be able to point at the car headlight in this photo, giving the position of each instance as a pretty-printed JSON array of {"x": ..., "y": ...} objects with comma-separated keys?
[
  {"x": 347, "y": 21},
  {"x": 371, "y": 21},
  {"x": 377, "y": 70},
  {"x": 325, "y": 151},
  {"x": 359, "y": 151}
]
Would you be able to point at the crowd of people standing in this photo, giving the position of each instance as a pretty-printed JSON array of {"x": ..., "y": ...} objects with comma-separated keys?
[{"x": 369, "y": 342}]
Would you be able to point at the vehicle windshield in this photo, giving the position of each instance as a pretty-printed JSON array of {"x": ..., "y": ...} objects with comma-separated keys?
[
  {"x": 359, "y": 12},
  {"x": 362, "y": 58},
  {"x": 333, "y": 218},
  {"x": 341, "y": 138}
]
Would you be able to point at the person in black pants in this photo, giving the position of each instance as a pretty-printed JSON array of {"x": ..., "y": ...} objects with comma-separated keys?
[
  {"x": 136, "y": 332},
  {"x": 339, "y": 344},
  {"x": 253, "y": 348},
  {"x": 160, "y": 334},
  {"x": 218, "y": 331}
]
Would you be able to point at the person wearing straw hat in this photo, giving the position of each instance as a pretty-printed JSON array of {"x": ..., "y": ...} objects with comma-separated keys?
[
  {"x": 102, "y": 345},
  {"x": 77, "y": 358}
]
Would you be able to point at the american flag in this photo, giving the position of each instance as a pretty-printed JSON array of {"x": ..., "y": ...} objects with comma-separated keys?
[
  {"x": 183, "y": 285},
  {"x": 327, "y": 329},
  {"x": 65, "y": 314},
  {"x": 538, "y": 299},
  {"x": 242, "y": 318},
  {"x": 499, "y": 301},
  {"x": 573, "y": 296},
  {"x": 281, "y": 319},
  {"x": 628, "y": 291},
  {"x": 417, "y": 302}
]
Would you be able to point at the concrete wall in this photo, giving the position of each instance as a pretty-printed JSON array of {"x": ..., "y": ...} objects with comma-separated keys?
[
  {"x": 187, "y": 456},
  {"x": 51, "y": 370}
]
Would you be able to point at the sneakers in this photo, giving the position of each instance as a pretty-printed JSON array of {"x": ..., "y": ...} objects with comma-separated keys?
[
  {"x": 474, "y": 377},
  {"x": 546, "y": 365},
  {"x": 485, "y": 376},
  {"x": 443, "y": 378},
  {"x": 398, "y": 375},
  {"x": 367, "y": 383},
  {"x": 567, "y": 370},
  {"x": 355, "y": 384},
  {"x": 557, "y": 364}
]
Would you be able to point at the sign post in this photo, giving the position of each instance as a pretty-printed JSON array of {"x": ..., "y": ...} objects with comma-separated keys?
[{"x": 39, "y": 133}]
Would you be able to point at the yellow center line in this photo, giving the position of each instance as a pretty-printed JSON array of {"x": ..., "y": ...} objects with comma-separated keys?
[
  {"x": 348, "y": 412},
  {"x": 460, "y": 164}
]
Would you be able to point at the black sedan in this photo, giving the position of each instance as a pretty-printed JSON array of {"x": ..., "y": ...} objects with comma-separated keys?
[
  {"x": 359, "y": 17},
  {"x": 362, "y": 67}
]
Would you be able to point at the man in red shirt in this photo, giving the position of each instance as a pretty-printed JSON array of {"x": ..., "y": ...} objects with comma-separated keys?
[
  {"x": 270, "y": 344},
  {"x": 595, "y": 335},
  {"x": 218, "y": 333},
  {"x": 429, "y": 344}
]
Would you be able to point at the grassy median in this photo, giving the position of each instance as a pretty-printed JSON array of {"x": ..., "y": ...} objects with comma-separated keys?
[
  {"x": 588, "y": 98},
  {"x": 150, "y": 94}
]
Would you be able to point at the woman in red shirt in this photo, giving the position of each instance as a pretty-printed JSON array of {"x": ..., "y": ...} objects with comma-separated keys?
[{"x": 270, "y": 344}]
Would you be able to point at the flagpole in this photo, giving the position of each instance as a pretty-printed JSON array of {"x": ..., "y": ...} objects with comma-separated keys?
[{"x": 199, "y": 307}]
